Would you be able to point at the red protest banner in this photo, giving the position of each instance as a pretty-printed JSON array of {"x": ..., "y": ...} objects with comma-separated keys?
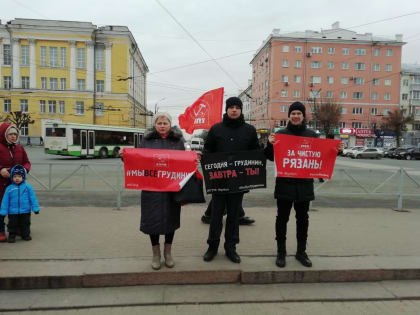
[
  {"x": 158, "y": 170},
  {"x": 303, "y": 157},
  {"x": 204, "y": 113}
]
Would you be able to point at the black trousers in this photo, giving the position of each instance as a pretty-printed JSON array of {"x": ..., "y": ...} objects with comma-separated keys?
[
  {"x": 232, "y": 203},
  {"x": 154, "y": 238},
  {"x": 21, "y": 221},
  {"x": 208, "y": 210},
  {"x": 302, "y": 222},
  {"x": 2, "y": 224}
]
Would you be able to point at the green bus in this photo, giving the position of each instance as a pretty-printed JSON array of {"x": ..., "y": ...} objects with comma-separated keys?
[{"x": 84, "y": 140}]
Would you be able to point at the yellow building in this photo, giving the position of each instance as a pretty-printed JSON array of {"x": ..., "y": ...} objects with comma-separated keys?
[{"x": 69, "y": 71}]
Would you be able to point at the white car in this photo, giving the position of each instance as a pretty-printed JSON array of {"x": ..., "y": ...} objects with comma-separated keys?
[
  {"x": 369, "y": 153},
  {"x": 197, "y": 144},
  {"x": 349, "y": 151}
]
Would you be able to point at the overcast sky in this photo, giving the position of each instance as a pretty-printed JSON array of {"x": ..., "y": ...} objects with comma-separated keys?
[{"x": 223, "y": 28}]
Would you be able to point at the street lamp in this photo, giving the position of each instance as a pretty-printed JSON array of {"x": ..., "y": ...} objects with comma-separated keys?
[{"x": 156, "y": 104}]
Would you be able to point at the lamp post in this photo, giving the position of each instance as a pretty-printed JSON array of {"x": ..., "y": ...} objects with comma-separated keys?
[{"x": 156, "y": 104}]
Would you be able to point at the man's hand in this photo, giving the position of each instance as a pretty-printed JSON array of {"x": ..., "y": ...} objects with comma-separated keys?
[
  {"x": 271, "y": 138},
  {"x": 340, "y": 147},
  {"x": 5, "y": 172}
]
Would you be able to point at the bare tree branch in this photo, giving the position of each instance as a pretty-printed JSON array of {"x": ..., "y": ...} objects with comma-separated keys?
[
  {"x": 396, "y": 121},
  {"x": 327, "y": 115}
]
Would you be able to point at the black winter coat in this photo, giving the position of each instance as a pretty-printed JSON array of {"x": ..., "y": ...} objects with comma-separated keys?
[
  {"x": 296, "y": 189},
  {"x": 159, "y": 214}
]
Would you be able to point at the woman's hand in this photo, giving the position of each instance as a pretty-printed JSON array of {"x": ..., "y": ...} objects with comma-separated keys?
[
  {"x": 271, "y": 138},
  {"x": 5, "y": 172},
  {"x": 199, "y": 154},
  {"x": 121, "y": 153},
  {"x": 340, "y": 147}
]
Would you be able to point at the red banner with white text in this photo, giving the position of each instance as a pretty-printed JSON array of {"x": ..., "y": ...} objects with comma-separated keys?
[
  {"x": 158, "y": 170},
  {"x": 303, "y": 157},
  {"x": 204, "y": 113}
]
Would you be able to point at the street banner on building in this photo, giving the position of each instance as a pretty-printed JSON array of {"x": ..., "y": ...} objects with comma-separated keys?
[
  {"x": 303, "y": 157},
  {"x": 204, "y": 113},
  {"x": 232, "y": 172},
  {"x": 158, "y": 170}
]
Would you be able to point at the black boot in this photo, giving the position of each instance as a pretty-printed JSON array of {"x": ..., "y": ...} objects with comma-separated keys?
[
  {"x": 301, "y": 255},
  {"x": 232, "y": 254},
  {"x": 211, "y": 252},
  {"x": 281, "y": 254},
  {"x": 11, "y": 238}
]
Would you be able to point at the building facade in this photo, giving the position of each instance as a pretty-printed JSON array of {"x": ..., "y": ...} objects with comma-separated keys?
[
  {"x": 360, "y": 72},
  {"x": 69, "y": 71},
  {"x": 245, "y": 97},
  {"x": 410, "y": 100}
]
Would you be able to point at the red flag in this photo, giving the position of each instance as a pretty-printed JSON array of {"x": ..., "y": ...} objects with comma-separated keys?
[{"x": 204, "y": 113}]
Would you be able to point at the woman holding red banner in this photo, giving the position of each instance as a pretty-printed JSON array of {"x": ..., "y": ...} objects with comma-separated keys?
[
  {"x": 296, "y": 192},
  {"x": 159, "y": 214}
]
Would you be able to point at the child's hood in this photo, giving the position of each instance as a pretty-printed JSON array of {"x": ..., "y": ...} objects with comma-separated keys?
[{"x": 18, "y": 170}]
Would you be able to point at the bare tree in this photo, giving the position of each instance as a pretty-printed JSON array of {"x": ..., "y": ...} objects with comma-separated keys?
[
  {"x": 327, "y": 115},
  {"x": 18, "y": 119},
  {"x": 396, "y": 121}
]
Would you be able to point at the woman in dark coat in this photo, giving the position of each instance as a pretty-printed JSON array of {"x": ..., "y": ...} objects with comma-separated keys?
[
  {"x": 11, "y": 154},
  {"x": 159, "y": 214},
  {"x": 296, "y": 192}
]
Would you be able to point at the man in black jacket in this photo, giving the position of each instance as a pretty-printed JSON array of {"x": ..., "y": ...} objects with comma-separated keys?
[{"x": 231, "y": 135}]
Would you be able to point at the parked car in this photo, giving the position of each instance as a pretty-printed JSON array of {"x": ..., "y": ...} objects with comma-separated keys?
[
  {"x": 197, "y": 144},
  {"x": 388, "y": 152},
  {"x": 409, "y": 154},
  {"x": 349, "y": 151},
  {"x": 352, "y": 152},
  {"x": 396, "y": 153},
  {"x": 369, "y": 153}
]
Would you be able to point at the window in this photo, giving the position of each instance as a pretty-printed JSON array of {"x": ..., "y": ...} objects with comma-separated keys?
[
  {"x": 389, "y": 52},
  {"x": 43, "y": 56},
  {"x": 99, "y": 59},
  {"x": 376, "y": 52},
  {"x": 296, "y": 93},
  {"x": 404, "y": 96},
  {"x": 387, "y": 96},
  {"x": 25, "y": 82},
  {"x": 285, "y": 63},
  {"x": 360, "y": 51},
  {"x": 343, "y": 110},
  {"x": 357, "y": 110},
  {"x": 375, "y": 96},
  {"x": 416, "y": 126},
  {"x": 342, "y": 124},
  {"x": 285, "y": 48},
  {"x": 376, "y": 67},
  {"x": 80, "y": 108},
  {"x": 343, "y": 94},
  {"x": 283, "y": 93},
  {"x": 375, "y": 81},
  {"x": 52, "y": 107},
  {"x": 387, "y": 82},
  {"x": 316, "y": 64},
  {"x": 345, "y": 51},
  {"x": 357, "y": 95},
  {"x": 315, "y": 80},
  {"x": 359, "y": 81},
  {"x": 297, "y": 78},
  {"x": 63, "y": 83},
  {"x": 415, "y": 95},
  {"x": 42, "y": 107},
  {"x": 62, "y": 107},
  {"x": 80, "y": 84},
  {"x": 7, "y": 105},
  {"x": 298, "y": 64},
  {"x": 99, "y": 109},
  {"x": 100, "y": 85},
  {"x": 374, "y": 111},
  {"x": 63, "y": 57},
  {"x": 356, "y": 125},
  {"x": 43, "y": 83},
  {"x": 330, "y": 80},
  {"x": 331, "y": 50},
  {"x": 298, "y": 49},
  {"x": 7, "y": 82},
  {"x": 24, "y": 106},
  {"x": 359, "y": 66},
  {"x": 388, "y": 67},
  {"x": 344, "y": 80},
  {"x": 314, "y": 94},
  {"x": 53, "y": 57},
  {"x": 53, "y": 84},
  {"x": 283, "y": 109},
  {"x": 416, "y": 79},
  {"x": 405, "y": 82},
  {"x": 330, "y": 65},
  {"x": 283, "y": 123},
  {"x": 386, "y": 112},
  {"x": 24, "y": 129},
  {"x": 24, "y": 55},
  {"x": 345, "y": 65},
  {"x": 329, "y": 94},
  {"x": 80, "y": 58},
  {"x": 316, "y": 50},
  {"x": 7, "y": 55}
]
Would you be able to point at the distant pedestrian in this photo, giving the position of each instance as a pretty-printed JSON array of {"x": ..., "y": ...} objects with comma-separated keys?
[
  {"x": 18, "y": 201},
  {"x": 11, "y": 153},
  {"x": 41, "y": 141}
]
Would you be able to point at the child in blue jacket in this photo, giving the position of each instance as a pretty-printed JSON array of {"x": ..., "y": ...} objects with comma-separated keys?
[{"x": 18, "y": 201}]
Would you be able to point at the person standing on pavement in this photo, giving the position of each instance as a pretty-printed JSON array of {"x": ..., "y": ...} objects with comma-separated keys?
[
  {"x": 296, "y": 192},
  {"x": 160, "y": 215},
  {"x": 243, "y": 220},
  {"x": 230, "y": 135},
  {"x": 11, "y": 154}
]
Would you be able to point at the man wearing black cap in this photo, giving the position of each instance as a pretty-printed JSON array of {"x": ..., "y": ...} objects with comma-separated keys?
[
  {"x": 232, "y": 134},
  {"x": 296, "y": 192}
]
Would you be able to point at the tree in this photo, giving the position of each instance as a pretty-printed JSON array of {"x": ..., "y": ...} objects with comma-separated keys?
[
  {"x": 327, "y": 115},
  {"x": 396, "y": 121},
  {"x": 18, "y": 119}
]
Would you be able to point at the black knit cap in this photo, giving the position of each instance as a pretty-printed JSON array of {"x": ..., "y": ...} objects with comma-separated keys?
[
  {"x": 233, "y": 101},
  {"x": 297, "y": 106}
]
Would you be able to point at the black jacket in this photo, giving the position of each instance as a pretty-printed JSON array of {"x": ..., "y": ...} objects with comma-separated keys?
[
  {"x": 159, "y": 214},
  {"x": 231, "y": 135},
  {"x": 297, "y": 189}
]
